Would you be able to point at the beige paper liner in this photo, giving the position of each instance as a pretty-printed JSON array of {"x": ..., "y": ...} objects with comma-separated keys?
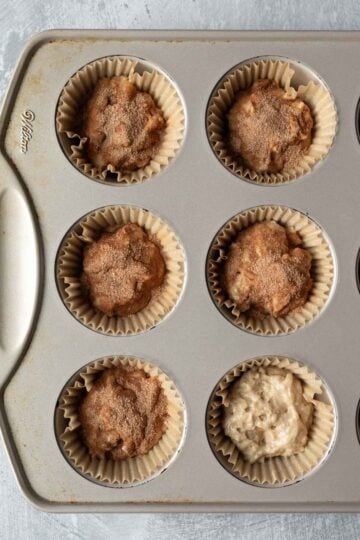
[
  {"x": 317, "y": 97},
  {"x": 322, "y": 269},
  {"x": 131, "y": 470},
  {"x": 69, "y": 269},
  {"x": 152, "y": 81},
  {"x": 278, "y": 470}
]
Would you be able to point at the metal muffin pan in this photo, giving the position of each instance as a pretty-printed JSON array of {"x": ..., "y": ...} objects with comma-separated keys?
[{"x": 42, "y": 345}]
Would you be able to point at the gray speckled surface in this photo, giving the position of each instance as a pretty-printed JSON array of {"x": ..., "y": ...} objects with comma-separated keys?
[{"x": 18, "y": 21}]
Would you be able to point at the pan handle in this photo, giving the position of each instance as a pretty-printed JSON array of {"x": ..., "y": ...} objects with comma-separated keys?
[{"x": 19, "y": 269}]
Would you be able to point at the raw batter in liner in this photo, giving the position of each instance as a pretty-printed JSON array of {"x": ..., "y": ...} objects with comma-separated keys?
[
  {"x": 122, "y": 124},
  {"x": 270, "y": 130},
  {"x": 267, "y": 414},
  {"x": 266, "y": 271}
]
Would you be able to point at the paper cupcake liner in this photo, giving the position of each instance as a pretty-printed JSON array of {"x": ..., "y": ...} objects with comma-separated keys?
[
  {"x": 322, "y": 269},
  {"x": 148, "y": 80},
  {"x": 317, "y": 97},
  {"x": 69, "y": 269},
  {"x": 280, "y": 470},
  {"x": 132, "y": 470}
]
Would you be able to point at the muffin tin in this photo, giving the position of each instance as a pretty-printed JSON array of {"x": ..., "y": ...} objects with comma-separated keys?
[{"x": 43, "y": 346}]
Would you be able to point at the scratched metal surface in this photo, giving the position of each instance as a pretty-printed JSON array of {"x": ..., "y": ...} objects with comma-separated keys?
[{"x": 18, "y": 21}]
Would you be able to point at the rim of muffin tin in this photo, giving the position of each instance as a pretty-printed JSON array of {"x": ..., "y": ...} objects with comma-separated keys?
[
  {"x": 183, "y": 273},
  {"x": 357, "y": 421},
  {"x": 142, "y": 65},
  {"x": 357, "y": 270},
  {"x": 357, "y": 120},
  {"x": 226, "y": 312},
  {"x": 304, "y": 73},
  {"x": 60, "y": 423},
  {"x": 327, "y": 394}
]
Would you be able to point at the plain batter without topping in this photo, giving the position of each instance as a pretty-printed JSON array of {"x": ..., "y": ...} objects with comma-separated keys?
[
  {"x": 267, "y": 415},
  {"x": 266, "y": 271},
  {"x": 124, "y": 414},
  {"x": 121, "y": 270},
  {"x": 122, "y": 124},
  {"x": 268, "y": 129}
]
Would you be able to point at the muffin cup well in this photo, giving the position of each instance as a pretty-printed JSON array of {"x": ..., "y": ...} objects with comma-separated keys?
[
  {"x": 69, "y": 269},
  {"x": 279, "y": 470},
  {"x": 146, "y": 79},
  {"x": 132, "y": 470},
  {"x": 322, "y": 269},
  {"x": 317, "y": 97}
]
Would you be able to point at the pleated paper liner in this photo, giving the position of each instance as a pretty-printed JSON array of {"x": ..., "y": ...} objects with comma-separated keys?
[
  {"x": 316, "y": 96},
  {"x": 146, "y": 79},
  {"x": 322, "y": 269},
  {"x": 69, "y": 269},
  {"x": 275, "y": 471},
  {"x": 130, "y": 471}
]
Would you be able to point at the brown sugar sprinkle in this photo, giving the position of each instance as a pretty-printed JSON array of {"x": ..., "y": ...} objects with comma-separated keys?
[
  {"x": 122, "y": 124},
  {"x": 266, "y": 272},
  {"x": 124, "y": 414},
  {"x": 268, "y": 129}
]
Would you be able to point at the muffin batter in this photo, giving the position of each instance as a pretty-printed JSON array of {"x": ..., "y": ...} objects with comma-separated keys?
[
  {"x": 268, "y": 129},
  {"x": 266, "y": 272},
  {"x": 123, "y": 125},
  {"x": 124, "y": 414},
  {"x": 121, "y": 270},
  {"x": 267, "y": 414}
]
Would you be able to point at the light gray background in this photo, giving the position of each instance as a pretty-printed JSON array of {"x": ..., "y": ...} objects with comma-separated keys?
[{"x": 18, "y": 21}]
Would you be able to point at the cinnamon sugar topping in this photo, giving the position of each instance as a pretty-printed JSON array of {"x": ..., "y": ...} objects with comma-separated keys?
[
  {"x": 266, "y": 270},
  {"x": 270, "y": 130},
  {"x": 123, "y": 125},
  {"x": 124, "y": 414},
  {"x": 121, "y": 270}
]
